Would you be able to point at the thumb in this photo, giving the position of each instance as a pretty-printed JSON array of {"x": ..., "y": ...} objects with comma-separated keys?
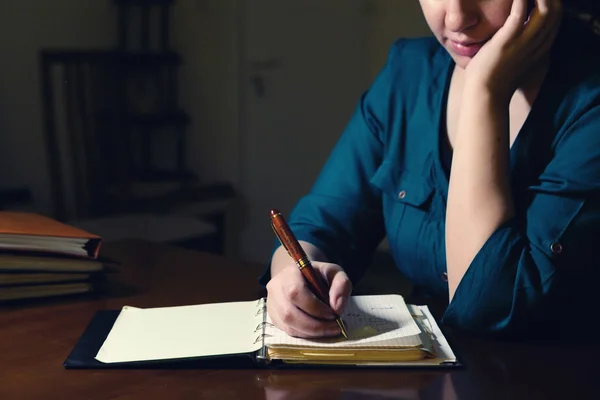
[{"x": 339, "y": 291}]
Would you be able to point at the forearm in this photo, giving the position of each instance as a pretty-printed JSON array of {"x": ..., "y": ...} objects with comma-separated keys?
[
  {"x": 281, "y": 259},
  {"x": 479, "y": 197}
]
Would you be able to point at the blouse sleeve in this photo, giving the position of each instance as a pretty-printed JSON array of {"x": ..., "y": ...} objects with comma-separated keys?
[
  {"x": 528, "y": 267},
  {"x": 341, "y": 215}
]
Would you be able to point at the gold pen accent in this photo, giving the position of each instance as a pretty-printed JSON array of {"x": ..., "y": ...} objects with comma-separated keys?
[{"x": 340, "y": 323}]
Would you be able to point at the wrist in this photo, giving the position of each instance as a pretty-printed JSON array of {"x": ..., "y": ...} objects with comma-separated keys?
[
  {"x": 483, "y": 114},
  {"x": 479, "y": 92}
]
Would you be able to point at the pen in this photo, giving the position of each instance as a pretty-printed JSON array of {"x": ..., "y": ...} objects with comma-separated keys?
[{"x": 295, "y": 250}]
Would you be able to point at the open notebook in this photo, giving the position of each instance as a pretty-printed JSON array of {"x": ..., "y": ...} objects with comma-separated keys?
[{"x": 382, "y": 330}]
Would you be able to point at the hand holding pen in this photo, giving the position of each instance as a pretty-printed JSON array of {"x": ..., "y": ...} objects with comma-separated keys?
[{"x": 305, "y": 301}]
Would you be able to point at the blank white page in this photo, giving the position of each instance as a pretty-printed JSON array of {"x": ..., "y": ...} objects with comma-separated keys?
[
  {"x": 181, "y": 332},
  {"x": 373, "y": 321}
]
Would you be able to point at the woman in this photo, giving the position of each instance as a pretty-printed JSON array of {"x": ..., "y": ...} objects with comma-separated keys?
[{"x": 477, "y": 153}]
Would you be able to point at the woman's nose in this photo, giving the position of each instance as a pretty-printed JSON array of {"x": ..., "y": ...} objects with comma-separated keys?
[{"x": 461, "y": 15}]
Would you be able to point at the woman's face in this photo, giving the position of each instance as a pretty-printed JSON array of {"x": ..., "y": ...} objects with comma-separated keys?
[{"x": 463, "y": 26}]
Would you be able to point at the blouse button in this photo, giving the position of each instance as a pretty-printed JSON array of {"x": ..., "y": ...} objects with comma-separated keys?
[
  {"x": 444, "y": 276},
  {"x": 402, "y": 194},
  {"x": 556, "y": 248}
]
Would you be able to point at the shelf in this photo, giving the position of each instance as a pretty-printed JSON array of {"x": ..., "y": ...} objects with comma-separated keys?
[
  {"x": 161, "y": 175},
  {"x": 144, "y": 2},
  {"x": 135, "y": 57},
  {"x": 175, "y": 118}
]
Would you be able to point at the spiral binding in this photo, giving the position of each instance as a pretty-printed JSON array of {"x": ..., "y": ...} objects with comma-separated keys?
[
  {"x": 262, "y": 326},
  {"x": 262, "y": 309}
]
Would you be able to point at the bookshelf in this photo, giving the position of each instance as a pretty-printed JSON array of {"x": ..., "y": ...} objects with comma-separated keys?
[{"x": 115, "y": 132}]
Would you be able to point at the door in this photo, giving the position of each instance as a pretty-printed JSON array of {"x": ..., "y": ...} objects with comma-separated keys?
[{"x": 305, "y": 66}]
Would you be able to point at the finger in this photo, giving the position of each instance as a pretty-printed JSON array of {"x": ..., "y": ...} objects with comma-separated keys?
[
  {"x": 544, "y": 19},
  {"x": 299, "y": 294},
  {"x": 518, "y": 10},
  {"x": 543, "y": 27},
  {"x": 340, "y": 286},
  {"x": 513, "y": 26},
  {"x": 340, "y": 290},
  {"x": 296, "y": 323}
]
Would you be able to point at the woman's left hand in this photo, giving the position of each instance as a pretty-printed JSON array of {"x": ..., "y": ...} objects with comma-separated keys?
[{"x": 518, "y": 46}]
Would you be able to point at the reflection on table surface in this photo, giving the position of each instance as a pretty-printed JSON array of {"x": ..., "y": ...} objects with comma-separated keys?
[
  {"x": 492, "y": 370},
  {"x": 358, "y": 384}
]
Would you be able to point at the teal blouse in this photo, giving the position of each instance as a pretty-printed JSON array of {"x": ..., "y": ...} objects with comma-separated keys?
[{"x": 388, "y": 176}]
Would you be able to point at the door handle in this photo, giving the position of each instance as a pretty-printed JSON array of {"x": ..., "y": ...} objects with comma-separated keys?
[
  {"x": 259, "y": 85},
  {"x": 266, "y": 64},
  {"x": 259, "y": 67}
]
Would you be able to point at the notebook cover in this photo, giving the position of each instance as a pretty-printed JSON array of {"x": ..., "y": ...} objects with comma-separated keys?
[
  {"x": 32, "y": 224},
  {"x": 88, "y": 345}
]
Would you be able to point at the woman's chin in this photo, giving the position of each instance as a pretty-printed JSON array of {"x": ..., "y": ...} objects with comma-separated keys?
[{"x": 461, "y": 62}]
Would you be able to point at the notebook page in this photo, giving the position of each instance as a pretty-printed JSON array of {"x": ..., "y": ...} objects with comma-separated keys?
[
  {"x": 440, "y": 346},
  {"x": 373, "y": 321},
  {"x": 180, "y": 332}
]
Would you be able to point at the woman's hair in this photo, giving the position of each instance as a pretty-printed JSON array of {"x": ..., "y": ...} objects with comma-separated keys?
[
  {"x": 586, "y": 11},
  {"x": 590, "y": 6}
]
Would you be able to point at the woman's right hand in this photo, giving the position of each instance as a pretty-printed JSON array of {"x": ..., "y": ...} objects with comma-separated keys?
[{"x": 294, "y": 309}]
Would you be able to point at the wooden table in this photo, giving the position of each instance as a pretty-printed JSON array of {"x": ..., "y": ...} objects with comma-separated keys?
[{"x": 35, "y": 339}]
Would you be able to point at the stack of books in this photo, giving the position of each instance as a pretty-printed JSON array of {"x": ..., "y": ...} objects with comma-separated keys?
[{"x": 41, "y": 257}]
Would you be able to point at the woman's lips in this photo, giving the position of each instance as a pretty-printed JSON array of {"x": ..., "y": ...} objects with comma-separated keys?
[{"x": 466, "y": 49}]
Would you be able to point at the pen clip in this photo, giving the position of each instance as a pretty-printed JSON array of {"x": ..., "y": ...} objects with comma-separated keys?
[{"x": 279, "y": 238}]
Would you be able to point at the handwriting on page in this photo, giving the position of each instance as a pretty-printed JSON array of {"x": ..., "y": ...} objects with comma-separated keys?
[
  {"x": 373, "y": 321},
  {"x": 364, "y": 319}
]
